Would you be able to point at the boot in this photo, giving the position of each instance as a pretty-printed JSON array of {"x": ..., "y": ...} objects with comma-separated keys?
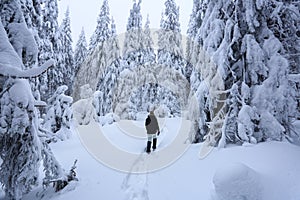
[
  {"x": 154, "y": 143},
  {"x": 148, "y": 150}
]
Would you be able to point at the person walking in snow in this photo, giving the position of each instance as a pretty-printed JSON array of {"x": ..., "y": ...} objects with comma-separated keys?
[{"x": 153, "y": 131}]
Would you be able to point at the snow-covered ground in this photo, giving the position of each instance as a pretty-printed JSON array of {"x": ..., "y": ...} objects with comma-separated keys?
[{"x": 271, "y": 170}]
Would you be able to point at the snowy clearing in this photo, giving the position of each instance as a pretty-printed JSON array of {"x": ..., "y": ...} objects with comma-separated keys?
[{"x": 276, "y": 165}]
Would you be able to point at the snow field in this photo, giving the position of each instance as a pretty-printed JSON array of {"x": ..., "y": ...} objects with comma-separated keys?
[
  {"x": 237, "y": 181},
  {"x": 271, "y": 170}
]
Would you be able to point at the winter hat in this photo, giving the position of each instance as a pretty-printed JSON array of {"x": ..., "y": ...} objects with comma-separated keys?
[{"x": 152, "y": 109}]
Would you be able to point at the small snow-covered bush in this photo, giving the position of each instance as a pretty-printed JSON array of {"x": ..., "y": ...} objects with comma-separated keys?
[
  {"x": 237, "y": 182},
  {"x": 84, "y": 111},
  {"x": 59, "y": 114},
  {"x": 163, "y": 111}
]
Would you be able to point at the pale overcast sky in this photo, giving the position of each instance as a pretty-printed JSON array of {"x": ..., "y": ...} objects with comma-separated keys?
[{"x": 84, "y": 13}]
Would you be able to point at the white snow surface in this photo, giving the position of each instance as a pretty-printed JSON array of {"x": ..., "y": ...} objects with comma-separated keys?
[
  {"x": 237, "y": 181},
  {"x": 270, "y": 168}
]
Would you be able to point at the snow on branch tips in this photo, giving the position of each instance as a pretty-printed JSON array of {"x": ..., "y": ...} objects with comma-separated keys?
[{"x": 11, "y": 64}]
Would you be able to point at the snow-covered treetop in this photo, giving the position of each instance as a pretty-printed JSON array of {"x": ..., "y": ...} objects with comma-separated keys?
[
  {"x": 80, "y": 50},
  {"x": 66, "y": 24},
  {"x": 48, "y": 32},
  {"x": 102, "y": 31},
  {"x": 170, "y": 50},
  {"x": 135, "y": 18},
  {"x": 103, "y": 22},
  {"x": 171, "y": 18},
  {"x": 113, "y": 27},
  {"x": 81, "y": 43},
  {"x": 66, "y": 39},
  {"x": 134, "y": 35},
  {"x": 196, "y": 17},
  {"x": 147, "y": 34},
  {"x": 147, "y": 24}
]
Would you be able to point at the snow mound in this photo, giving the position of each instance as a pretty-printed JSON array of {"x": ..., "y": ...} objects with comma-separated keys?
[
  {"x": 84, "y": 111},
  {"x": 108, "y": 119},
  {"x": 21, "y": 86},
  {"x": 237, "y": 182}
]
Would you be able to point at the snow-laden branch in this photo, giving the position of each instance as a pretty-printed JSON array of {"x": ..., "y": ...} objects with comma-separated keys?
[{"x": 29, "y": 73}]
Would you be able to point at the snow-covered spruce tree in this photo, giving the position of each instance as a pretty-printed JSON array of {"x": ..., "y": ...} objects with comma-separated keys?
[
  {"x": 65, "y": 62},
  {"x": 284, "y": 21},
  {"x": 206, "y": 79},
  {"x": 138, "y": 82},
  {"x": 21, "y": 146},
  {"x": 20, "y": 136},
  {"x": 272, "y": 98},
  {"x": 266, "y": 74},
  {"x": 81, "y": 51},
  {"x": 31, "y": 10},
  {"x": 207, "y": 97},
  {"x": 155, "y": 95},
  {"x": 137, "y": 53},
  {"x": 93, "y": 67},
  {"x": 126, "y": 81},
  {"x": 49, "y": 46},
  {"x": 59, "y": 114},
  {"x": 147, "y": 85},
  {"x": 194, "y": 24},
  {"x": 141, "y": 99},
  {"x": 150, "y": 57},
  {"x": 133, "y": 49},
  {"x": 114, "y": 48},
  {"x": 107, "y": 85},
  {"x": 193, "y": 44},
  {"x": 102, "y": 31},
  {"x": 170, "y": 52},
  {"x": 248, "y": 58}
]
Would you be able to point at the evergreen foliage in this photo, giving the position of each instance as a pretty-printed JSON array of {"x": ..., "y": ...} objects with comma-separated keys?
[
  {"x": 170, "y": 52},
  {"x": 81, "y": 51},
  {"x": 102, "y": 31},
  {"x": 59, "y": 114},
  {"x": 22, "y": 143},
  {"x": 247, "y": 67},
  {"x": 65, "y": 71}
]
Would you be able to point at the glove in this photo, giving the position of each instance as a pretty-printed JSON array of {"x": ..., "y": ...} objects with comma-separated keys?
[{"x": 158, "y": 133}]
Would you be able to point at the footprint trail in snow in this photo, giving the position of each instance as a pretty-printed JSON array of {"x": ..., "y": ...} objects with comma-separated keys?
[{"x": 135, "y": 185}]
